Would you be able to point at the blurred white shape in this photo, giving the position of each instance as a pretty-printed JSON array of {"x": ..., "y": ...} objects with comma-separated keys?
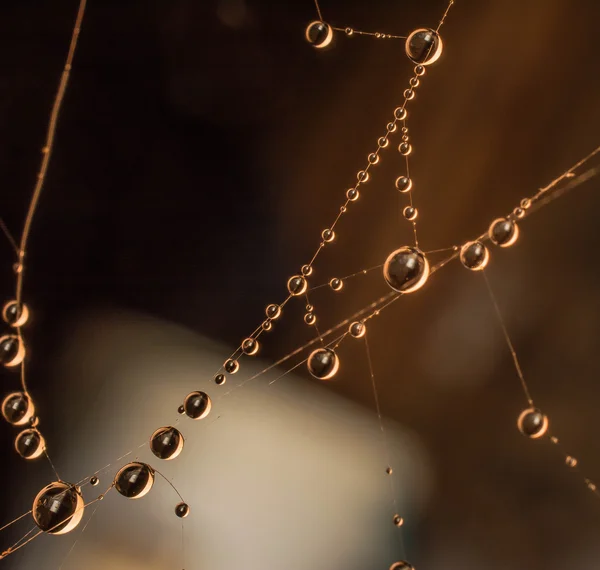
[{"x": 288, "y": 475}]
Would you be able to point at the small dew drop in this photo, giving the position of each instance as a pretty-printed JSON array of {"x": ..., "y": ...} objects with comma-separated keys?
[
  {"x": 362, "y": 176},
  {"x": 310, "y": 318},
  {"x": 352, "y": 194}
]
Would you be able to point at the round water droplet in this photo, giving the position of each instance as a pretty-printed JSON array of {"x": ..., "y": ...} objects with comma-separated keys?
[
  {"x": 58, "y": 508},
  {"x": 405, "y": 148},
  {"x": 382, "y": 142},
  {"x": 410, "y": 213},
  {"x": 182, "y": 510},
  {"x": 220, "y": 379},
  {"x": 166, "y": 443},
  {"x": 328, "y": 235},
  {"x": 250, "y": 346},
  {"x": 352, "y": 194},
  {"x": 134, "y": 480},
  {"x": 349, "y": 31},
  {"x": 404, "y": 184},
  {"x": 419, "y": 70},
  {"x": 389, "y": 470},
  {"x": 400, "y": 113},
  {"x": 323, "y": 363},
  {"x": 12, "y": 350},
  {"x": 197, "y": 405},
  {"x": 474, "y": 255},
  {"x": 398, "y": 520},
  {"x": 306, "y": 270},
  {"x": 391, "y": 127},
  {"x": 373, "y": 158},
  {"x": 533, "y": 423},
  {"x": 406, "y": 269},
  {"x": 267, "y": 325},
  {"x": 94, "y": 481},
  {"x": 310, "y": 318},
  {"x": 231, "y": 366},
  {"x": 319, "y": 34},
  {"x": 181, "y": 410},
  {"x": 14, "y": 314},
  {"x": 273, "y": 311},
  {"x": 503, "y": 232},
  {"x": 424, "y": 46},
  {"x": 414, "y": 81},
  {"x": 362, "y": 176},
  {"x": 17, "y": 409},
  {"x": 519, "y": 212},
  {"x": 409, "y": 94},
  {"x": 297, "y": 285},
  {"x": 357, "y": 329},
  {"x": 30, "y": 444},
  {"x": 336, "y": 284}
]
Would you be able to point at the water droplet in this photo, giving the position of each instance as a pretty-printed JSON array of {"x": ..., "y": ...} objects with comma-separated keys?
[
  {"x": 532, "y": 423},
  {"x": 352, "y": 194},
  {"x": 410, "y": 213},
  {"x": 405, "y": 148},
  {"x": 404, "y": 184},
  {"x": 231, "y": 366},
  {"x": 319, "y": 34},
  {"x": 328, "y": 235},
  {"x": 134, "y": 480},
  {"x": 250, "y": 346},
  {"x": 357, "y": 329},
  {"x": 406, "y": 269},
  {"x": 503, "y": 232},
  {"x": 323, "y": 363},
  {"x": 424, "y": 46},
  {"x": 297, "y": 285},
  {"x": 474, "y": 255}
]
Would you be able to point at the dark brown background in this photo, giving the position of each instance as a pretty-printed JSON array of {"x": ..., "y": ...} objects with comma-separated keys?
[{"x": 202, "y": 148}]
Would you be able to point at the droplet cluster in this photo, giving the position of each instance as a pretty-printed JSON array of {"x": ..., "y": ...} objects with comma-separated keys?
[{"x": 58, "y": 507}]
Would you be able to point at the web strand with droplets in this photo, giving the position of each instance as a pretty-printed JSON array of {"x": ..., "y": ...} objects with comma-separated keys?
[
  {"x": 375, "y": 307},
  {"x": 48, "y": 146}
]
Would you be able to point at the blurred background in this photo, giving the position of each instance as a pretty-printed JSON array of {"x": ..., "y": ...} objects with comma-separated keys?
[{"x": 202, "y": 148}]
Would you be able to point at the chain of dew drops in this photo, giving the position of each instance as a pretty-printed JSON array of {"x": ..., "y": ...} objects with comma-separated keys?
[{"x": 474, "y": 255}]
